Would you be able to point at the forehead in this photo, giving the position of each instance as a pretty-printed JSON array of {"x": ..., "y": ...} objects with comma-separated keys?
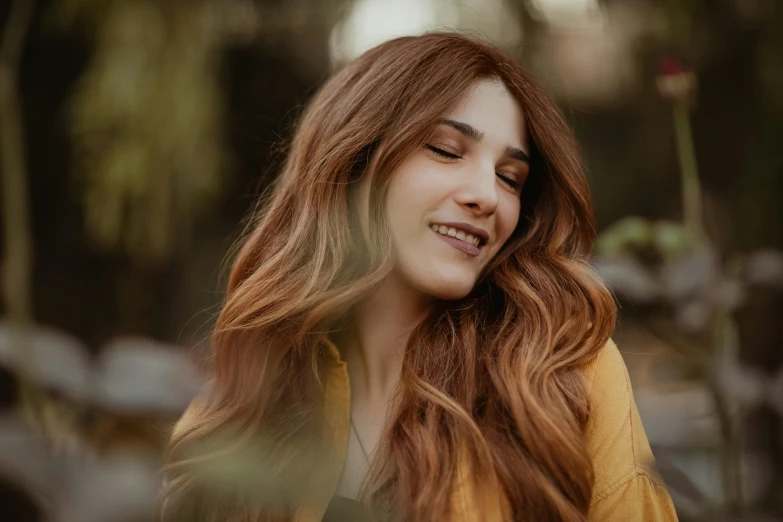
[{"x": 490, "y": 108}]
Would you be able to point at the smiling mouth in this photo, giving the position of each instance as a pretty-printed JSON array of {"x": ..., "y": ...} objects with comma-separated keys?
[
  {"x": 469, "y": 244},
  {"x": 458, "y": 234}
]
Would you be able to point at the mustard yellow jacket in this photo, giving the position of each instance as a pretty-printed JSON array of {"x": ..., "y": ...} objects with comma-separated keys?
[{"x": 627, "y": 488}]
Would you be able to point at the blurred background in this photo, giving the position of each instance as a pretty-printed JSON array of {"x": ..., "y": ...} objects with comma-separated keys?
[{"x": 136, "y": 135}]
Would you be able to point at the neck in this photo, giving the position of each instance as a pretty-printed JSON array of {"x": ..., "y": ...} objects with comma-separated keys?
[{"x": 375, "y": 344}]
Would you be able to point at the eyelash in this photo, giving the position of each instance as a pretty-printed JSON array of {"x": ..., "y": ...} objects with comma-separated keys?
[{"x": 450, "y": 155}]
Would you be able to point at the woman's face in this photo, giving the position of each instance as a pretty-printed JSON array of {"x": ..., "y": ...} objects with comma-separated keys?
[{"x": 453, "y": 203}]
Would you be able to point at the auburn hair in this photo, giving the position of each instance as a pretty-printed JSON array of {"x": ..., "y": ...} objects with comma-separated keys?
[{"x": 492, "y": 380}]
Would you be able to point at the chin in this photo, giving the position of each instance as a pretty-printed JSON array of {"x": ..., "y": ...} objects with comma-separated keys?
[
  {"x": 447, "y": 289},
  {"x": 450, "y": 295},
  {"x": 446, "y": 281}
]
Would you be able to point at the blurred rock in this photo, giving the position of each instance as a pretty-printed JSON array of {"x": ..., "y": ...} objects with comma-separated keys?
[
  {"x": 743, "y": 385},
  {"x": 683, "y": 277},
  {"x": 118, "y": 487},
  {"x": 765, "y": 267},
  {"x": 140, "y": 375},
  {"x": 628, "y": 277},
  {"x": 728, "y": 294},
  {"x": 678, "y": 417},
  {"x": 24, "y": 457},
  {"x": 693, "y": 315},
  {"x": 53, "y": 359}
]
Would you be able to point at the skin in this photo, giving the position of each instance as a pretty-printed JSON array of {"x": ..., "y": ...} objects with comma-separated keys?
[{"x": 430, "y": 187}]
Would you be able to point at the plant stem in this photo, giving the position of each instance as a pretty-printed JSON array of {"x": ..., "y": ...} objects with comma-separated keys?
[
  {"x": 724, "y": 328},
  {"x": 726, "y": 340},
  {"x": 691, "y": 187},
  {"x": 18, "y": 247}
]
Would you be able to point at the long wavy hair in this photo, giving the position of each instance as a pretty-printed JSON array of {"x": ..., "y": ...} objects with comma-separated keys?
[{"x": 492, "y": 381}]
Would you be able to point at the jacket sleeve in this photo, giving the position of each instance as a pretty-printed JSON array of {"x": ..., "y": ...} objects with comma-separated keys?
[{"x": 627, "y": 486}]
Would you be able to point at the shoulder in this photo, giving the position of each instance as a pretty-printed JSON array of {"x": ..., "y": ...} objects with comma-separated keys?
[
  {"x": 607, "y": 370},
  {"x": 616, "y": 440},
  {"x": 627, "y": 485}
]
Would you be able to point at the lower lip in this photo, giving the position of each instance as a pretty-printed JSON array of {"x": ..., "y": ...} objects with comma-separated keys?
[{"x": 459, "y": 244}]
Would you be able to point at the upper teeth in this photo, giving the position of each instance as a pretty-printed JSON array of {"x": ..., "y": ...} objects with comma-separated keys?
[{"x": 454, "y": 232}]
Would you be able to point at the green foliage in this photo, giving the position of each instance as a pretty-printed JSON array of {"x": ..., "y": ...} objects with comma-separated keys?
[
  {"x": 145, "y": 122},
  {"x": 634, "y": 233}
]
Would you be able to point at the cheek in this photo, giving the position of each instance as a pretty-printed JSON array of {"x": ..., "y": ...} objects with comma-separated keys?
[
  {"x": 509, "y": 217},
  {"x": 413, "y": 191}
]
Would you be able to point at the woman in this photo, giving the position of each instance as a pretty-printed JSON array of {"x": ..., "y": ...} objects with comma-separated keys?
[{"x": 411, "y": 330}]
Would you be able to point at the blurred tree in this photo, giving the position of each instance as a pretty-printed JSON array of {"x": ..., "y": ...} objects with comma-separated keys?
[{"x": 146, "y": 123}]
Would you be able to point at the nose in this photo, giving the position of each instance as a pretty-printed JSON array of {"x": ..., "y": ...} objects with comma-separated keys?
[{"x": 479, "y": 192}]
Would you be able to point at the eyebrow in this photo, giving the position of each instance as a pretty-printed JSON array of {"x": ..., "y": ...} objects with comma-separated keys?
[{"x": 476, "y": 135}]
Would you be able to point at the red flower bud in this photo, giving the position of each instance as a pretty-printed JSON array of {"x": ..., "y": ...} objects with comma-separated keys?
[
  {"x": 670, "y": 66},
  {"x": 675, "y": 81}
]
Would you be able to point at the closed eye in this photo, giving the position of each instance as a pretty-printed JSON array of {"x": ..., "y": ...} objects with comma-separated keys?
[
  {"x": 450, "y": 155},
  {"x": 441, "y": 152},
  {"x": 511, "y": 183}
]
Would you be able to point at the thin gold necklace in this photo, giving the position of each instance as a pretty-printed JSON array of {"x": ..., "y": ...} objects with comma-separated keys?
[{"x": 367, "y": 458}]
